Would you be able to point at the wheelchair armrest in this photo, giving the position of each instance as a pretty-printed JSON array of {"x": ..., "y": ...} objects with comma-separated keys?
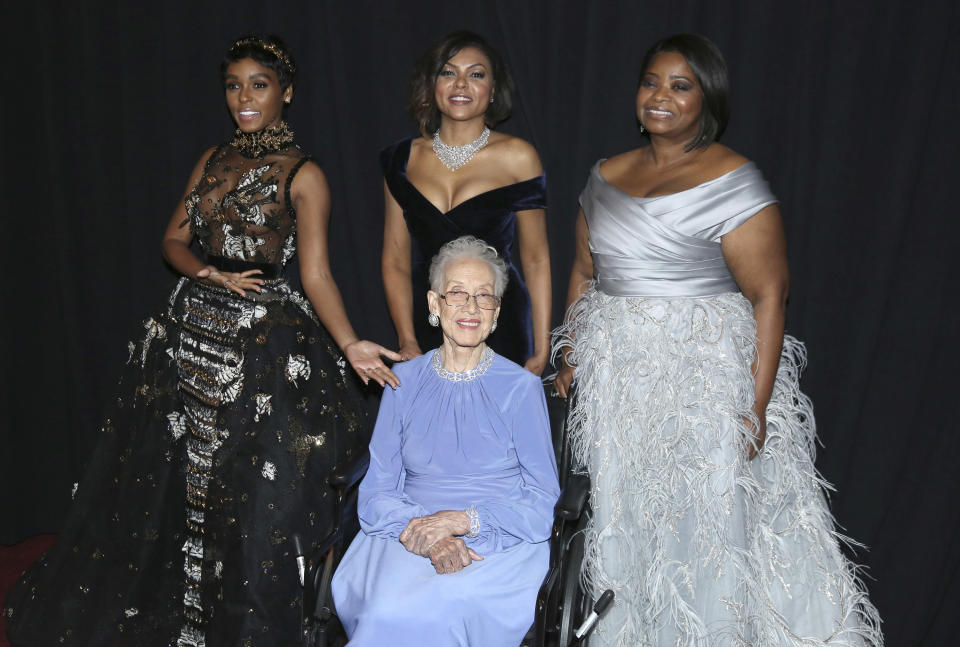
[
  {"x": 349, "y": 474},
  {"x": 573, "y": 498}
]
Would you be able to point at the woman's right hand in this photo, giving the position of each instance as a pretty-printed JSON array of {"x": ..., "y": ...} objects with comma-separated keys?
[
  {"x": 364, "y": 357},
  {"x": 422, "y": 533},
  {"x": 233, "y": 281},
  {"x": 450, "y": 555},
  {"x": 563, "y": 380},
  {"x": 409, "y": 350}
]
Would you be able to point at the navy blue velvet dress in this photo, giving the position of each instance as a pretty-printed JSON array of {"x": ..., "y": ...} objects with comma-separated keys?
[{"x": 491, "y": 216}]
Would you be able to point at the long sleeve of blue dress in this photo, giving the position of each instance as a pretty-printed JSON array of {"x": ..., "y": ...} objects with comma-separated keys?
[
  {"x": 525, "y": 513},
  {"x": 384, "y": 508},
  {"x": 451, "y": 441}
]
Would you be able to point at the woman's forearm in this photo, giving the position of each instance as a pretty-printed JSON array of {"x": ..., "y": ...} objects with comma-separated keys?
[
  {"x": 399, "y": 291},
  {"x": 178, "y": 254},
  {"x": 770, "y": 314},
  {"x": 325, "y": 297},
  {"x": 537, "y": 274}
]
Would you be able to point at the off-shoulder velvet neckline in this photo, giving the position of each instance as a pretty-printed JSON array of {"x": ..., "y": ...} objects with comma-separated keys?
[{"x": 405, "y": 158}]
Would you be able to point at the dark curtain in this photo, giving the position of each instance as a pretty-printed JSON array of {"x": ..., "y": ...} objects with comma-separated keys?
[{"x": 850, "y": 109}]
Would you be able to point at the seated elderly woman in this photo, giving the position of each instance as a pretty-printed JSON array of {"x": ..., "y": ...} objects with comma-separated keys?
[{"x": 457, "y": 504}]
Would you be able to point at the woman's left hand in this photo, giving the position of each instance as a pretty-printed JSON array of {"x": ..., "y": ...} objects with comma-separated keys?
[
  {"x": 536, "y": 363},
  {"x": 759, "y": 434},
  {"x": 423, "y": 532},
  {"x": 364, "y": 357},
  {"x": 451, "y": 555}
]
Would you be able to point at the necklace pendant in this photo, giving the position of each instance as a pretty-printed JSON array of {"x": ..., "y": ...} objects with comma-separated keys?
[{"x": 453, "y": 157}]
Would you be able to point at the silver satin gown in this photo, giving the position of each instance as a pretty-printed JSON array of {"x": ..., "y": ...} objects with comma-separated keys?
[{"x": 701, "y": 546}]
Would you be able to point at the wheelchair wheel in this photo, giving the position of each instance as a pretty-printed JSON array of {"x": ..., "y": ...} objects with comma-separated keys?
[{"x": 575, "y": 602}]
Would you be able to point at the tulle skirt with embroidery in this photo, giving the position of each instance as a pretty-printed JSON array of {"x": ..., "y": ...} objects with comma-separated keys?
[
  {"x": 701, "y": 546},
  {"x": 230, "y": 414}
]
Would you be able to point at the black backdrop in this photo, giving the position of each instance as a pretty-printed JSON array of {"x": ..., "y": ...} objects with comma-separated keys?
[{"x": 850, "y": 109}]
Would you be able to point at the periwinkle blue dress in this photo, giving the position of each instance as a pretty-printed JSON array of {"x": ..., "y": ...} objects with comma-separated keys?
[
  {"x": 490, "y": 216},
  {"x": 451, "y": 441}
]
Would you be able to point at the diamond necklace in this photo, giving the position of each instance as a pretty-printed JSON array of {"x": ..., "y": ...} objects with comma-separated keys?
[{"x": 453, "y": 157}]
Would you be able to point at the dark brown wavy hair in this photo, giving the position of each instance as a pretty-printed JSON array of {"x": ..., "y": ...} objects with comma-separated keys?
[{"x": 422, "y": 105}]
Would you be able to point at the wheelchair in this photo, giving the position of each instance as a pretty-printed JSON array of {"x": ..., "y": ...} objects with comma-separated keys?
[{"x": 561, "y": 604}]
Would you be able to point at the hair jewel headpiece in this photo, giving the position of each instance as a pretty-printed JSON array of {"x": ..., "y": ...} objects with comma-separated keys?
[{"x": 269, "y": 47}]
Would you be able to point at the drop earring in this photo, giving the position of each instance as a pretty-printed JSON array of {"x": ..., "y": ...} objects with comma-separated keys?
[{"x": 493, "y": 326}]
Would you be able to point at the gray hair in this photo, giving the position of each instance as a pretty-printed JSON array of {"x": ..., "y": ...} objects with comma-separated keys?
[{"x": 468, "y": 247}]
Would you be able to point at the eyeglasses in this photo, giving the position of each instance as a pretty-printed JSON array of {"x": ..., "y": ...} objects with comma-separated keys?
[{"x": 458, "y": 298}]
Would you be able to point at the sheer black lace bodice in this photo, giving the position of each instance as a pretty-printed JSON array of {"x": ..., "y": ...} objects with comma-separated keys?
[
  {"x": 230, "y": 414},
  {"x": 241, "y": 207}
]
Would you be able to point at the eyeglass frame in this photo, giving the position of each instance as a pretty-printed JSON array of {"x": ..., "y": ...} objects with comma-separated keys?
[{"x": 497, "y": 300}]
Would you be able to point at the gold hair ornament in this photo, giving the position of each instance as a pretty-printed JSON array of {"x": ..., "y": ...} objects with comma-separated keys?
[{"x": 268, "y": 47}]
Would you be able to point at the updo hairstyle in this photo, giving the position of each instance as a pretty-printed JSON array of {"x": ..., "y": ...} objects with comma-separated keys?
[{"x": 468, "y": 247}]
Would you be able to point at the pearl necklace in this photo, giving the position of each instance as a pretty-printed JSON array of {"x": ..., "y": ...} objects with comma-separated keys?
[{"x": 453, "y": 157}]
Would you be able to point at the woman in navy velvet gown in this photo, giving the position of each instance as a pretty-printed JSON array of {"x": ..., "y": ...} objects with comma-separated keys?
[{"x": 460, "y": 178}]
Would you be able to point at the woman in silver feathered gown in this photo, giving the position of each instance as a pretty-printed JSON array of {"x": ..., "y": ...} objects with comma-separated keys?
[{"x": 709, "y": 517}]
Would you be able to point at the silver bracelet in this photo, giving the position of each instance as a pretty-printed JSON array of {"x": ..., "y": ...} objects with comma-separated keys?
[{"x": 474, "y": 522}]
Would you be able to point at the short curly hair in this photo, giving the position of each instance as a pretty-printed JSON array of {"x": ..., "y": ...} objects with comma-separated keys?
[
  {"x": 422, "y": 104},
  {"x": 266, "y": 49},
  {"x": 468, "y": 247}
]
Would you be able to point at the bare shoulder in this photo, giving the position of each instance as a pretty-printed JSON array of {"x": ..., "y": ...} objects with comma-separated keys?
[
  {"x": 421, "y": 143},
  {"x": 198, "y": 169},
  {"x": 719, "y": 160},
  {"x": 621, "y": 164},
  {"x": 204, "y": 159},
  {"x": 517, "y": 155},
  {"x": 309, "y": 179}
]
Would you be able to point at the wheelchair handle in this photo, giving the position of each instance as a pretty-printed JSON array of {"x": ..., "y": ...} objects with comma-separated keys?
[
  {"x": 598, "y": 610},
  {"x": 301, "y": 560}
]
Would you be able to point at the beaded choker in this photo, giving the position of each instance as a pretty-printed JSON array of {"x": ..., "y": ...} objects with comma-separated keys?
[
  {"x": 465, "y": 376},
  {"x": 269, "y": 140}
]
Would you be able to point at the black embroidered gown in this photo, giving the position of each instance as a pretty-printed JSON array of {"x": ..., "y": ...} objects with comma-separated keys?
[{"x": 231, "y": 412}]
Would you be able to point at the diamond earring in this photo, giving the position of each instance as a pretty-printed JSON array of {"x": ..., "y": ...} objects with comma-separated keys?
[
  {"x": 433, "y": 319},
  {"x": 494, "y": 326}
]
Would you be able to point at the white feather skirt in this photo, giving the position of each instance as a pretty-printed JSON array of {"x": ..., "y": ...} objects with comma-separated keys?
[{"x": 701, "y": 546}]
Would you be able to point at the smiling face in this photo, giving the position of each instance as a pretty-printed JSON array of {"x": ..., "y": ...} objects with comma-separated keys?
[
  {"x": 254, "y": 96},
  {"x": 464, "y": 85},
  {"x": 670, "y": 100},
  {"x": 465, "y": 326}
]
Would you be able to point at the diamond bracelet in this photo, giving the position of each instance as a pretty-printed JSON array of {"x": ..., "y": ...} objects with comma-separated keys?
[{"x": 474, "y": 522}]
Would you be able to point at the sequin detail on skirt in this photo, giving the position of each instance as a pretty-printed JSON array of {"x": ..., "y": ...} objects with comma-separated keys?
[{"x": 210, "y": 362}]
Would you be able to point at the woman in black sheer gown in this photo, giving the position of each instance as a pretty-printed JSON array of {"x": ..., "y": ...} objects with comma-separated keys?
[
  {"x": 234, "y": 404},
  {"x": 457, "y": 178}
]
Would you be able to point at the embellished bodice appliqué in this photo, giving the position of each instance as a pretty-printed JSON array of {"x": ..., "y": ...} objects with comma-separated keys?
[{"x": 241, "y": 207}]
